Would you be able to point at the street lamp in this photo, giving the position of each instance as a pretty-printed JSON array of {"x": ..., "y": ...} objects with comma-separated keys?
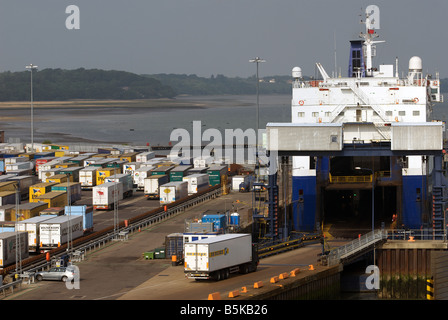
[
  {"x": 257, "y": 60},
  {"x": 32, "y": 67}
]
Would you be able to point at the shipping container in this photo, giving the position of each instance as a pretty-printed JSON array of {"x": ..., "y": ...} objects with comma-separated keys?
[
  {"x": 173, "y": 191},
  {"x": 145, "y": 156},
  {"x": 126, "y": 181},
  {"x": 74, "y": 189},
  {"x": 9, "y": 185},
  {"x": 152, "y": 185},
  {"x": 41, "y": 160},
  {"x": 9, "y": 247},
  {"x": 31, "y": 226},
  {"x": 130, "y": 167},
  {"x": 8, "y": 197},
  {"x": 202, "y": 162},
  {"x": 45, "y": 173},
  {"x": 217, "y": 257},
  {"x": 215, "y": 174},
  {"x": 56, "y": 231},
  {"x": 87, "y": 215},
  {"x": 14, "y": 160},
  {"x": 55, "y": 211},
  {"x": 105, "y": 195},
  {"x": 162, "y": 170},
  {"x": 40, "y": 188},
  {"x": 79, "y": 160},
  {"x": 58, "y": 178},
  {"x": 129, "y": 157},
  {"x": 219, "y": 221},
  {"x": 87, "y": 177},
  {"x": 24, "y": 184},
  {"x": 237, "y": 180},
  {"x": 27, "y": 210},
  {"x": 2, "y": 165},
  {"x": 140, "y": 175},
  {"x": 197, "y": 171},
  {"x": 103, "y": 173},
  {"x": 116, "y": 163},
  {"x": 5, "y": 212},
  {"x": 174, "y": 246},
  {"x": 179, "y": 172},
  {"x": 197, "y": 183},
  {"x": 53, "y": 199},
  {"x": 73, "y": 172}
]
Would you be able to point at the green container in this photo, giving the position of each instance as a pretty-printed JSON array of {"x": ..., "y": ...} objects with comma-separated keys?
[
  {"x": 160, "y": 253},
  {"x": 149, "y": 255}
]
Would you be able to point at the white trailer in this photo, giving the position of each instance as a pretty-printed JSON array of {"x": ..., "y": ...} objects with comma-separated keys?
[
  {"x": 237, "y": 180},
  {"x": 197, "y": 182},
  {"x": 173, "y": 191},
  {"x": 152, "y": 184},
  {"x": 8, "y": 246},
  {"x": 140, "y": 175},
  {"x": 87, "y": 177},
  {"x": 202, "y": 162},
  {"x": 104, "y": 195},
  {"x": 126, "y": 180},
  {"x": 217, "y": 257},
  {"x": 57, "y": 231},
  {"x": 32, "y": 227},
  {"x": 145, "y": 156}
]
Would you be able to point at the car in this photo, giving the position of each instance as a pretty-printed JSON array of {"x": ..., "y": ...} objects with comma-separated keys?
[{"x": 57, "y": 273}]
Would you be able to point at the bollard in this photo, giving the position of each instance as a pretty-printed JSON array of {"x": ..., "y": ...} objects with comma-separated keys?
[{"x": 214, "y": 296}]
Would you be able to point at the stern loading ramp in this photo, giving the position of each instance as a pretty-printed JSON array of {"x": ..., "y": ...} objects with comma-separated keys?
[{"x": 323, "y": 140}]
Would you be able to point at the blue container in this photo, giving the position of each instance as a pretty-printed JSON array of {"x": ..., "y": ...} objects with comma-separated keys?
[
  {"x": 43, "y": 155},
  {"x": 219, "y": 220},
  {"x": 85, "y": 211}
]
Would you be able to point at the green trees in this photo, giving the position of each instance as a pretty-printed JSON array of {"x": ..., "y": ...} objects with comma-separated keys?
[{"x": 60, "y": 85}]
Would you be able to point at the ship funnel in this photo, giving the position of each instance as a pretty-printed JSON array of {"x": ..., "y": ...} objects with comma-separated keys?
[{"x": 297, "y": 73}]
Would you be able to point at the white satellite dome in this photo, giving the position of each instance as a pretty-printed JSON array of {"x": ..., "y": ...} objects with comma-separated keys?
[
  {"x": 297, "y": 72},
  {"x": 415, "y": 64}
]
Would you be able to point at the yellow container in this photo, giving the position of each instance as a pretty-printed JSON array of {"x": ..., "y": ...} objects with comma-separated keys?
[
  {"x": 40, "y": 189},
  {"x": 53, "y": 199},
  {"x": 59, "y": 178},
  {"x": 103, "y": 173},
  {"x": 66, "y": 165},
  {"x": 28, "y": 210},
  {"x": 8, "y": 186},
  {"x": 129, "y": 157},
  {"x": 59, "y": 153}
]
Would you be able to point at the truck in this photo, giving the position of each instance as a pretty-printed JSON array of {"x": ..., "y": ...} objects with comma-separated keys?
[
  {"x": 104, "y": 196},
  {"x": 173, "y": 191},
  {"x": 31, "y": 226},
  {"x": 56, "y": 231},
  {"x": 152, "y": 184},
  {"x": 241, "y": 183},
  {"x": 217, "y": 257},
  {"x": 9, "y": 245},
  {"x": 126, "y": 180},
  {"x": 140, "y": 175},
  {"x": 87, "y": 177},
  {"x": 196, "y": 183}
]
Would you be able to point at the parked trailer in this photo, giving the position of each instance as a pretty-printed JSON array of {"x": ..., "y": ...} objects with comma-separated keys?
[
  {"x": 9, "y": 245},
  {"x": 5, "y": 212},
  {"x": 152, "y": 185},
  {"x": 215, "y": 174},
  {"x": 53, "y": 199},
  {"x": 103, "y": 196},
  {"x": 130, "y": 167},
  {"x": 25, "y": 182},
  {"x": 7, "y": 197},
  {"x": 39, "y": 189},
  {"x": 238, "y": 180},
  {"x": 140, "y": 175},
  {"x": 179, "y": 172},
  {"x": 28, "y": 210},
  {"x": 127, "y": 182},
  {"x": 217, "y": 257},
  {"x": 145, "y": 156},
  {"x": 45, "y": 173},
  {"x": 87, "y": 215},
  {"x": 173, "y": 191},
  {"x": 196, "y": 183},
  {"x": 31, "y": 226},
  {"x": 73, "y": 187},
  {"x": 87, "y": 177},
  {"x": 103, "y": 173},
  {"x": 55, "y": 232}
]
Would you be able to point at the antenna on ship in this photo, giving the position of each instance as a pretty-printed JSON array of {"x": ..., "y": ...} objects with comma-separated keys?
[{"x": 371, "y": 22}]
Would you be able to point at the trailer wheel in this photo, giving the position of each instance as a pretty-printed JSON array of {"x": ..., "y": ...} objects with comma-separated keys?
[
  {"x": 226, "y": 273},
  {"x": 217, "y": 276}
]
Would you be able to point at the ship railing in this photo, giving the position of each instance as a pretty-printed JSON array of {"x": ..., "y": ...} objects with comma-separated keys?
[{"x": 350, "y": 179}]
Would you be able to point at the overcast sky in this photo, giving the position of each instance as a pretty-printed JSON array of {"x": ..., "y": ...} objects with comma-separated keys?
[{"x": 206, "y": 37}]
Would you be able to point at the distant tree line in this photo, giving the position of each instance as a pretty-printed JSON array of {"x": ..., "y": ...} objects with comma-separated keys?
[
  {"x": 220, "y": 84},
  {"x": 60, "y": 85}
]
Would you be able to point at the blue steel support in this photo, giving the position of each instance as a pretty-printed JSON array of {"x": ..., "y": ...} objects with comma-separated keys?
[{"x": 438, "y": 198}]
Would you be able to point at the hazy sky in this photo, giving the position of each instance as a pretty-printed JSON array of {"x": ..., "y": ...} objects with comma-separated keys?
[{"x": 206, "y": 37}]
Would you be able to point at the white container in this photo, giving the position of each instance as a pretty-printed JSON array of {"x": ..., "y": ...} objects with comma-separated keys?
[
  {"x": 103, "y": 196},
  {"x": 48, "y": 173},
  {"x": 87, "y": 177},
  {"x": 140, "y": 175},
  {"x": 216, "y": 256},
  {"x": 197, "y": 182},
  {"x": 31, "y": 226},
  {"x": 125, "y": 180},
  {"x": 237, "y": 180},
  {"x": 173, "y": 191},
  {"x": 152, "y": 184},
  {"x": 8, "y": 245},
  {"x": 130, "y": 167},
  {"x": 13, "y": 160},
  {"x": 145, "y": 156},
  {"x": 202, "y": 162},
  {"x": 19, "y": 166},
  {"x": 55, "y": 231}
]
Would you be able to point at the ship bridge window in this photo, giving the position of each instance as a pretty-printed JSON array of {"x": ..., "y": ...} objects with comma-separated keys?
[
  {"x": 315, "y": 114},
  {"x": 389, "y": 113},
  {"x": 301, "y": 114},
  {"x": 434, "y": 90},
  {"x": 328, "y": 114},
  {"x": 416, "y": 113},
  {"x": 401, "y": 113}
]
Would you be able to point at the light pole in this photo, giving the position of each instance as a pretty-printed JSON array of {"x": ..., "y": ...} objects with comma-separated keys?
[
  {"x": 32, "y": 67},
  {"x": 257, "y": 60}
]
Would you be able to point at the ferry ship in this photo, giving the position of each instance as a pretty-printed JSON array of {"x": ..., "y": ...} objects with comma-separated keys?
[{"x": 363, "y": 145}]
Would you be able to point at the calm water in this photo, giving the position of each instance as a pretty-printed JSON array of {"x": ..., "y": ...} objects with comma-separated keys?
[
  {"x": 140, "y": 126},
  {"x": 146, "y": 125}
]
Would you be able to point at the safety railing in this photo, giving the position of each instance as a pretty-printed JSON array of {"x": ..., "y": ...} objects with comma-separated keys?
[{"x": 350, "y": 179}]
